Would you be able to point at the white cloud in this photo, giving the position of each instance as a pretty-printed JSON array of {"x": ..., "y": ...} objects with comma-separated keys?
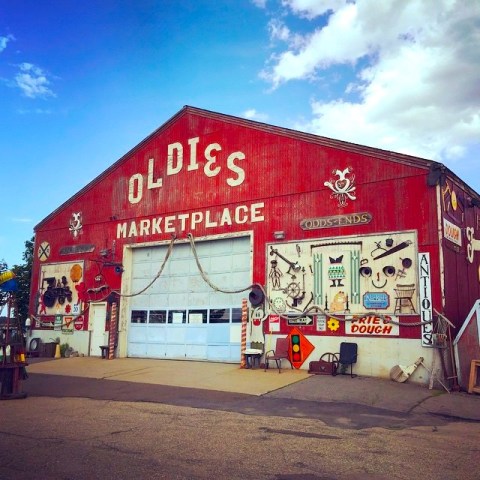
[
  {"x": 260, "y": 3},
  {"x": 22, "y": 220},
  {"x": 416, "y": 72},
  {"x": 4, "y": 42},
  {"x": 252, "y": 114},
  {"x": 35, "y": 111},
  {"x": 33, "y": 81},
  {"x": 312, "y": 8}
]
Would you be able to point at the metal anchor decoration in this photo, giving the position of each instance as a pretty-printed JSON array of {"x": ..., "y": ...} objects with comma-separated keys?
[{"x": 292, "y": 265}]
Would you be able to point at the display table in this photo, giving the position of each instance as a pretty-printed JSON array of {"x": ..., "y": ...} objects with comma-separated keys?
[{"x": 252, "y": 357}]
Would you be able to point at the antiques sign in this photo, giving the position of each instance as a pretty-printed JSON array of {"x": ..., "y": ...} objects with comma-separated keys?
[{"x": 348, "y": 220}]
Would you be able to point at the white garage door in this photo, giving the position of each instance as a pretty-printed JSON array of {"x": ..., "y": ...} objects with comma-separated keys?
[{"x": 180, "y": 316}]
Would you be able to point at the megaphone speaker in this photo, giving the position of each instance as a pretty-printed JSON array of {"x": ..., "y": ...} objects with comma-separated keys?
[{"x": 256, "y": 296}]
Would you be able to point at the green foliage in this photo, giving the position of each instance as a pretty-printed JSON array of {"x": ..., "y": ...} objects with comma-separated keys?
[
  {"x": 63, "y": 348},
  {"x": 23, "y": 274}
]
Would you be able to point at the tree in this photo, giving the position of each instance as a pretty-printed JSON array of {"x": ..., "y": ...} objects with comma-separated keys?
[{"x": 23, "y": 275}]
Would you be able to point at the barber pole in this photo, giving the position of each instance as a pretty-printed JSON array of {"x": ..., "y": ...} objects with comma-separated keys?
[
  {"x": 243, "y": 344},
  {"x": 112, "y": 331}
]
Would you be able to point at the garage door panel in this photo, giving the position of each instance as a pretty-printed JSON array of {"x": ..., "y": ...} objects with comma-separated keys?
[
  {"x": 196, "y": 335},
  {"x": 226, "y": 262},
  {"x": 180, "y": 267},
  {"x": 221, "y": 264},
  {"x": 160, "y": 285},
  {"x": 175, "y": 334},
  {"x": 197, "y": 284},
  {"x": 156, "y": 334},
  {"x": 173, "y": 350},
  {"x": 142, "y": 270},
  {"x": 156, "y": 299},
  {"x": 237, "y": 280},
  {"x": 196, "y": 352},
  {"x": 178, "y": 284},
  {"x": 138, "y": 334},
  {"x": 199, "y": 299},
  {"x": 156, "y": 350},
  {"x": 219, "y": 333},
  {"x": 238, "y": 263},
  {"x": 218, "y": 353},
  {"x": 137, "y": 350},
  {"x": 178, "y": 298}
]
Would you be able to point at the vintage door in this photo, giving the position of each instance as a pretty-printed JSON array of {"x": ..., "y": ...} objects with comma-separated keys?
[{"x": 98, "y": 335}]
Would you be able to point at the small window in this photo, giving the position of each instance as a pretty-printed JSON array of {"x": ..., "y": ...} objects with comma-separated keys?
[
  {"x": 197, "y": 316},
  {"x": 177, "y": 316},
  {"x": 221, "y": 315},
  {"x": 139, "y": 316},
  {"x": 157, "y": 316},
  {"x": 236, "y": 315}
]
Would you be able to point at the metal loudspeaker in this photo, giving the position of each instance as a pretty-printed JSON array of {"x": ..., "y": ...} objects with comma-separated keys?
[{"x": 256, "y": 296}]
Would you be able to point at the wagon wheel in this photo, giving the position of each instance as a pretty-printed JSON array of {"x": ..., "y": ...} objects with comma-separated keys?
[
  {"x": 293, "y": 290},
  {"x": 331, "y": 358}
]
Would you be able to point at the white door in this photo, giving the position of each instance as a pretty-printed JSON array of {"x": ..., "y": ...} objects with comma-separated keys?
[{"x": 98, "y": 335}]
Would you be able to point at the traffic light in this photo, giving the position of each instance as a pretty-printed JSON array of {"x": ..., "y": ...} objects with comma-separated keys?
[{"x": 300, "y": 347}]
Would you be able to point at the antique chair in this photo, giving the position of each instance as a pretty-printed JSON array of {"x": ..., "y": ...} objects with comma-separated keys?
[{"x": 280, "y": 352}]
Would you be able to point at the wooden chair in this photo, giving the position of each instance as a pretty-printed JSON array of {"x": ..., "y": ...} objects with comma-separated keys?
[{"x": 280, "y": 352}]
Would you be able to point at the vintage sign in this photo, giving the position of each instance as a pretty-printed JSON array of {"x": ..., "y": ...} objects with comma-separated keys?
[
  {"x": 186, "y": 222},
  {"x": 300, "y": 321},
  {"x": 208, "y": 161},
  {"x": 67, "y": 325},
  {"x": 75, "y": 249},
  {"x": 321, "y": 323},
  {"x": 426, "y": 309},
  {"x": 452, "y": 232},
  {"x": 78, "y": 323},
  {"x": 44, "y": 251},
  {"x": 274, "y": 323},
  {"x": 347, "y": 220},
  {"x": 372, "y": 325},
  {"x": 376, "y": 300}
]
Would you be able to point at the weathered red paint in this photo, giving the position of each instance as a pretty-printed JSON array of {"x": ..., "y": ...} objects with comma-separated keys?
[{"x": 281, "y": 170}]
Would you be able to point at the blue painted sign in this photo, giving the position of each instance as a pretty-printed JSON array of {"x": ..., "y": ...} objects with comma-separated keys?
[{"x": 376, "y": 300}]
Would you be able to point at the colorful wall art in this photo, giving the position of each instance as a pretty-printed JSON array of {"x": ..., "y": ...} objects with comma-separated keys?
[{"x": 345, "y": 275}]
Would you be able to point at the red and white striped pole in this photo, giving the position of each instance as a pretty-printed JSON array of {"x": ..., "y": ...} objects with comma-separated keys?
[
  {"x": 112, "y": 332},
  {"x": 243, "y": 345}
]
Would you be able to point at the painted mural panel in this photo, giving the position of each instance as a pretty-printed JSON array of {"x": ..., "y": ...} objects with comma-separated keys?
[
  {"x": 350, "y": 275},
  {"x": 59, "y": 290}
]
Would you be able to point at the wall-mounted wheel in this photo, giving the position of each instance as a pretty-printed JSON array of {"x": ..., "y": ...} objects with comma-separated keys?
[{"x": 331, "y": 358}]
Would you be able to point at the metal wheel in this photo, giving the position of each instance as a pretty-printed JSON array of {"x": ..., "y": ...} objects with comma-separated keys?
[{"x": 331, "y": 358}]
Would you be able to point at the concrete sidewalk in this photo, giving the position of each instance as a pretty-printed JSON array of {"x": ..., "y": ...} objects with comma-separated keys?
[
  {"x": 224, "y": 377},
  {"x": 291, "y": 384}
]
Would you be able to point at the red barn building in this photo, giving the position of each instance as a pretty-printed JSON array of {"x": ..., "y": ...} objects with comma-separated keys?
[{"x": 348, "y": 243}]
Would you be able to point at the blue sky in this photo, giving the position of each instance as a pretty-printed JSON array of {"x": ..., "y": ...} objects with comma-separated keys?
[{"x": 82, "y": 82}]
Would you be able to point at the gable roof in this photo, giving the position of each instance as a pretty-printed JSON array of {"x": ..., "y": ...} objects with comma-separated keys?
[{"x": 410, "y": 160}]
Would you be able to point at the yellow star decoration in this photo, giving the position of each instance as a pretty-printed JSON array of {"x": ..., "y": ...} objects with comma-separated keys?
[{"x": 333, "y": 324}]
